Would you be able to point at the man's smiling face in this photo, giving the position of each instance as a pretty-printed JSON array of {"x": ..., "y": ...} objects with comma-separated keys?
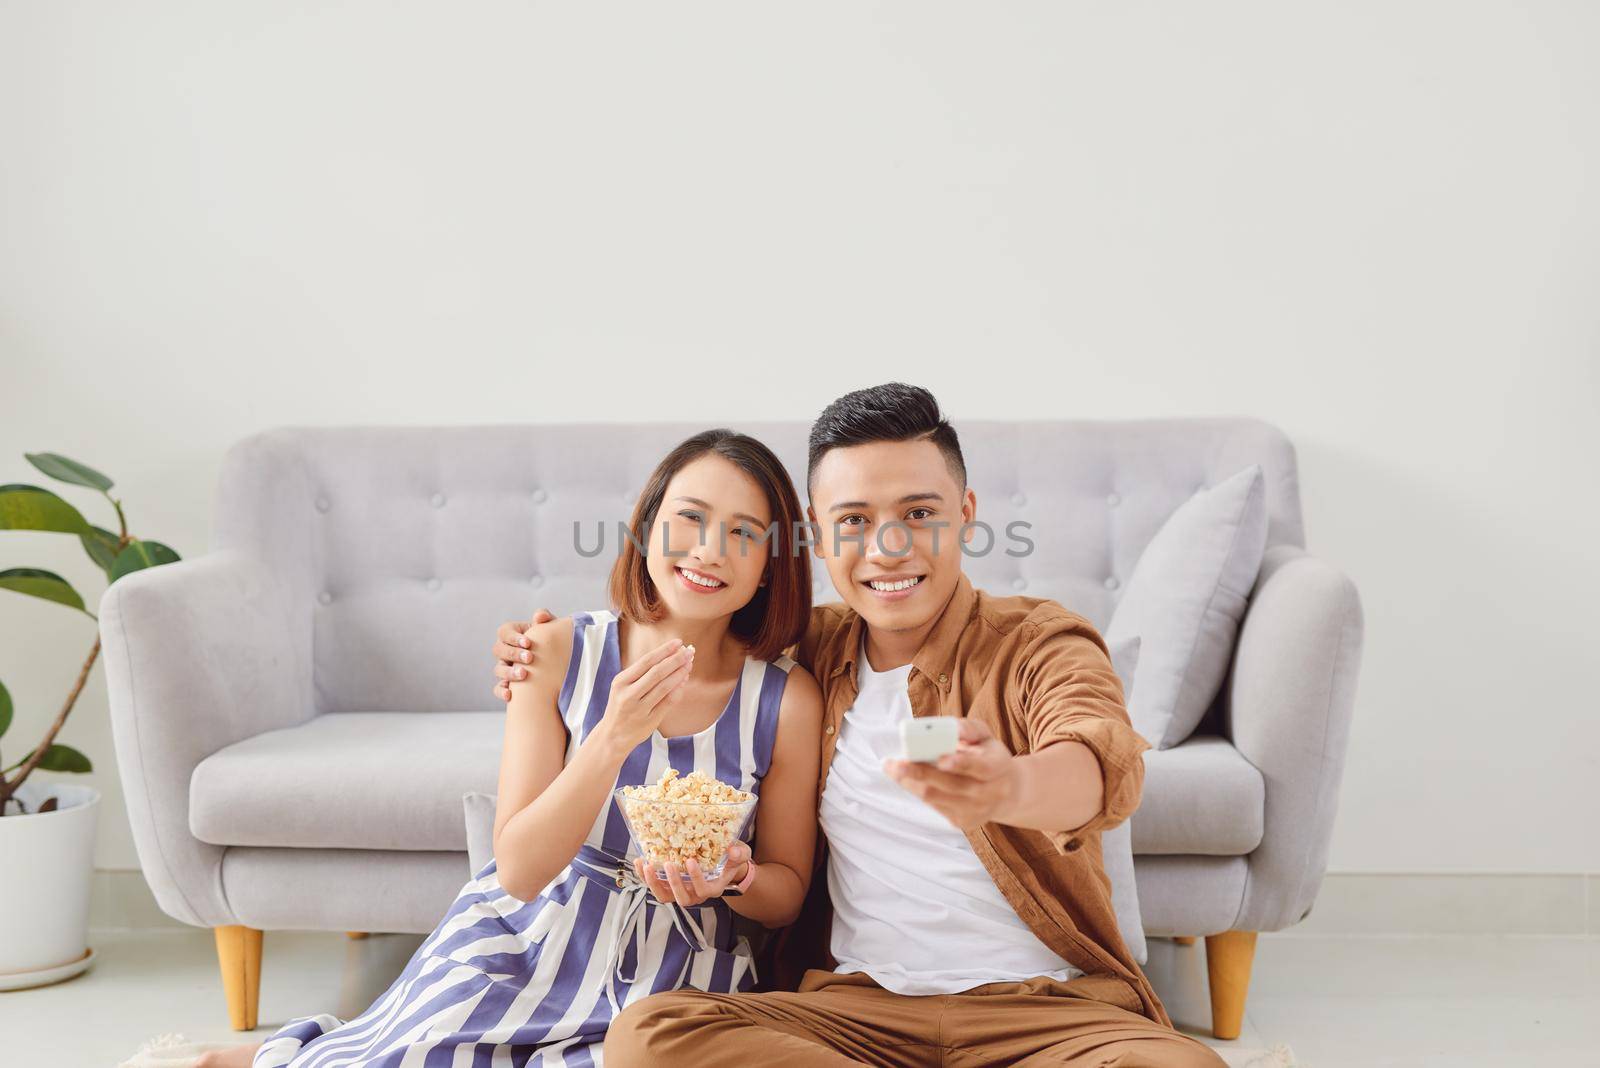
[{"x": 896, "y": 513}]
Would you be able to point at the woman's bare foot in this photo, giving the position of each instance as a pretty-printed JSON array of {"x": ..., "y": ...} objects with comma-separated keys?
[{"x": 237, "y": 1057}]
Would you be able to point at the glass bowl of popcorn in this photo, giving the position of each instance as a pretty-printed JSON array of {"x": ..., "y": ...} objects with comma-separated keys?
[{"x": 678, "y": 819}]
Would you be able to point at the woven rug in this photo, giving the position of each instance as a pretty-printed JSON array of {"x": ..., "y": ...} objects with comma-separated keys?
[
  {"x": 176, "y": 1051},
  {"x": 1276, "y": 1057}
]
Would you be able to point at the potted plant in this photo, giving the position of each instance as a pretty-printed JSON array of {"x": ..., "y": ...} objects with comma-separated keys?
[{"x": 47, "y": 828}]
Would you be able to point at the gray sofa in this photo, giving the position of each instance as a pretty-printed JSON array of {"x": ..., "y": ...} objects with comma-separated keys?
[{"x": 298, "y": 713}]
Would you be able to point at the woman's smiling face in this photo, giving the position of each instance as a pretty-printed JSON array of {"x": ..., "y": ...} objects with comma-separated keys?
[{"x": 706, "y": 555}]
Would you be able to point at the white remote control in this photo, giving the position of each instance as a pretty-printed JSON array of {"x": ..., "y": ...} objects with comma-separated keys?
[{"x": 928, "y": 738}]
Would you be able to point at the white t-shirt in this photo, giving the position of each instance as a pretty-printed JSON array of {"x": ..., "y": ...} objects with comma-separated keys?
[{"x": 913, "y": 907}]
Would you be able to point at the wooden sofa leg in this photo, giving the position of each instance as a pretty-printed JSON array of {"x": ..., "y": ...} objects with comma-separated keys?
[
  {"x": 356, "y": 934},
  {"x": 239, "y": 956},
  {"x": 1183, "y": 940},
  {"x": 1229, "y": 956}
]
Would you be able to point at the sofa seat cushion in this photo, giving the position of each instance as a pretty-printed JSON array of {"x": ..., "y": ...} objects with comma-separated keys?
[
  {"x": 349, "y": 780},
  {"x": 1200, "y": 797},
  {"x": 395, "y": 780}
]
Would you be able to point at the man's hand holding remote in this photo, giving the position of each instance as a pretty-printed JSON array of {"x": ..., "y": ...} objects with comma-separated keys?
[{"x": 970, "y": 787}]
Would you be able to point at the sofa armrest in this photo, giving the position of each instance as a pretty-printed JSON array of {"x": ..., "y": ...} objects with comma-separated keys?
[
  {"x": 1291, "y": 694},
  {"x": 198, "y": 655}
]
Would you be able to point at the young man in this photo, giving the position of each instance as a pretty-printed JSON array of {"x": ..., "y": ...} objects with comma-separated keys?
[{"x": 965, "y": 917}]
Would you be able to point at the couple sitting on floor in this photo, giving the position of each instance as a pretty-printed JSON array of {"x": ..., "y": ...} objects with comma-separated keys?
[{"x": 953, "y": 912}]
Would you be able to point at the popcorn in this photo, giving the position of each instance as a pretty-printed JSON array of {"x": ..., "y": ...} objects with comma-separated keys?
[{"x": 677, "y": 819}]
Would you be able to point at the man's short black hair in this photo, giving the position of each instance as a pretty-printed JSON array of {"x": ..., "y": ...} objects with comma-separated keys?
[{"x": 893, "y": 411}]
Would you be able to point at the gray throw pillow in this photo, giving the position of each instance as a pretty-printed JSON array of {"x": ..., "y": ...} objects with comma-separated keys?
[
  {"x": 1185, "y": 599},
  {"x": 1116, "y": 845},
  {"x": 480, "y": 830}
]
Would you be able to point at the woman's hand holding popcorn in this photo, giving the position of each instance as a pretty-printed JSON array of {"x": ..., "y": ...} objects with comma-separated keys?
[
  {"x": 643, "y": 692},
  {"x": 689, "y": 886},
  {"x": 689, "y": 826}
]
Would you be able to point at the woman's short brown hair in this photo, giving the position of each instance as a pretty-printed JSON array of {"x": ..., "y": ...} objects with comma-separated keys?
[{"x": 780, "y": 611}]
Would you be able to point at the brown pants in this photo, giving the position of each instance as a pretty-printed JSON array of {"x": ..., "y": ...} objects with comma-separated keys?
[{"x": 839, "y": 1019}]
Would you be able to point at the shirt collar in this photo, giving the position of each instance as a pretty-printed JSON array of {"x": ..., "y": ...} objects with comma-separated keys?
[{"x": 937, "y": 654}]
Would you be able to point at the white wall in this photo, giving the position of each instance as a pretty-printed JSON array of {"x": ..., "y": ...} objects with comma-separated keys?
[{"x": 1374, "y": 225}]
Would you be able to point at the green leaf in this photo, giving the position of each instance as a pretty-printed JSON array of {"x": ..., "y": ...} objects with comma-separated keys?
[
  {"x": 101, "y": 545},
  {"x": 36, "y": 582},
  {"x": 5, "y": 709},
  {"x": 25, "y": 507},
  {"x": 59, "y": 467},
  {"x": 64, "y": 758},
  {"x": 139, "y": 555}
]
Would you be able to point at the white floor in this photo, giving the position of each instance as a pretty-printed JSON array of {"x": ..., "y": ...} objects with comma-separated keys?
[{"x": 1336, "y": 1001}]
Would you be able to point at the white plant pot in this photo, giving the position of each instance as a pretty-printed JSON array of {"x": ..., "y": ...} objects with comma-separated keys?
[{"x": 44, "y": 884}]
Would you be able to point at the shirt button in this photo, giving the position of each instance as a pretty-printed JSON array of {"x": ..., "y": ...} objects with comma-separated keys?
[
  {"x": 829, "y": 730},
  {"x": 943, "y": 678},
  {"x": 1073, "y": 844}
]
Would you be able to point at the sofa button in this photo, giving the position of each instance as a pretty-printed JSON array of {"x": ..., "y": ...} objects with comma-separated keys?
[
  {"x": 1111, "y": 582},
  {"x": 322, "y": 504},
  {"x": 1113, "y": 500},
  {"x": 1019, "y": 583},
  {"x": 540, "y": 496},
  {"x": 537, "y": 580},
  {"x": 437, "y": 500},
  {"x": 1019, "y": 499},
  {"x": 433, "y": 584},
  {"x": 324, "y": 597}
]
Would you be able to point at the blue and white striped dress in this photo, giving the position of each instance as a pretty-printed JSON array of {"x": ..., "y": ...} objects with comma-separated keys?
[{"x": 506, "y": 982}]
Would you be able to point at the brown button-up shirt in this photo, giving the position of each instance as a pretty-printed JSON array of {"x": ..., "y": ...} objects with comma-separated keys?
[{"x": 1035, "y": 674}]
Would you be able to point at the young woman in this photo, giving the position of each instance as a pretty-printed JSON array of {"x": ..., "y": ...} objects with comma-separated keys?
[{"x": 566, "y": 925}]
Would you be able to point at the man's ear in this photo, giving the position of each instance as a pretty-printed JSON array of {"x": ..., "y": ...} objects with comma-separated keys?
[
  {"x": 969, "y": 514},
  {"x": 816, "y": 527}
]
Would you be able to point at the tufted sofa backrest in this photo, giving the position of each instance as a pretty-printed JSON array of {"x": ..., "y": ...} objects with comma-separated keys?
[{"x": 402, "y": 548}]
